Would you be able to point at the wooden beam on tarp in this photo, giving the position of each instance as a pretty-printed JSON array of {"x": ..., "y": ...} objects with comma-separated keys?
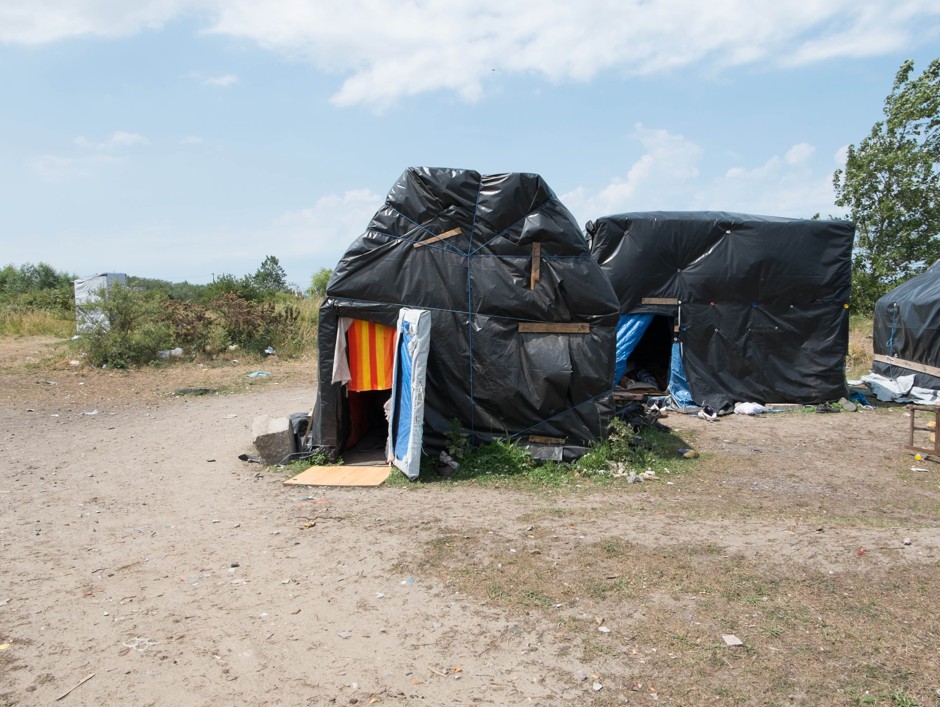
[
  {"x": 554, "y": 328},
  {"x": 441, "y": 237}
]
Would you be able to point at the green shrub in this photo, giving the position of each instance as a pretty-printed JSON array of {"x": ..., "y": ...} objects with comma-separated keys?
[
  {"x": 253, "y": 326},
  {"x": 135, "y": 332},
  {"x": 498, "y": 458}
]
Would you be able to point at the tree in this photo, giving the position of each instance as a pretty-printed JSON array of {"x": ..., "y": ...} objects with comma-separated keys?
[
  {"x": 270, "y": 277},
  {"x": 319, "y": 281},
  {"x": 891, "y": 185}
]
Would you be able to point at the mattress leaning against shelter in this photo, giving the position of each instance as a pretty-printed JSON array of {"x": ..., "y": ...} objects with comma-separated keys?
[
  {"x": 745, "y": 308},
  {"x": 504, "y": 323}
]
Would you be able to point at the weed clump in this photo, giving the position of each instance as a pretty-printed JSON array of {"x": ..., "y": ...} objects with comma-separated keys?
[{"x": 136, "y": 325}]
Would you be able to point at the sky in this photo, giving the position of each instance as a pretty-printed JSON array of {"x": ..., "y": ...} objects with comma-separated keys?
[{"x": 184, "y": 139}]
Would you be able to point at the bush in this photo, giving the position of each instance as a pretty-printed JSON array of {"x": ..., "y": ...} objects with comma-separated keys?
[
  {"x": 252, "y": 326},
  {"x": 135, "y": 332}
]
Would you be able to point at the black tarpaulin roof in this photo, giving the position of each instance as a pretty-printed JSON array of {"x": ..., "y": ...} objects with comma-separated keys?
[
  {"x": 907, "y": 329},
  {"x": 478, "y": 240},
  {"x": 761, "y": 302}
]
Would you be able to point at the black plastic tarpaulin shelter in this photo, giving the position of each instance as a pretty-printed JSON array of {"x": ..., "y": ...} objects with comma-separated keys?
[
  {"x": 757, "y": 306},
  {"x": 906, "y": 333},
  {"x": 522, "y": 319}
]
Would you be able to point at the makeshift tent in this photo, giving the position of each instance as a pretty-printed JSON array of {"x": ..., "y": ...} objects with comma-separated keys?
[
  {"x": 906, "y": 334},
  {"x": 87, "y": 291},
  {"x": 756, "y": 306},
  {"x": 503, "y": 320}
]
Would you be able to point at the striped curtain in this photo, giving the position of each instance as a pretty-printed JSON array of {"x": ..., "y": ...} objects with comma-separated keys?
[{"x": 371, "y": 354}]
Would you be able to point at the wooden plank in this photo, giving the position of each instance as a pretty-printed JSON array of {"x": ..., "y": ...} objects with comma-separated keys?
[
  {"x": 659, "y": 300},
  {"x": 536, "y": 264},
  {"x": 539, "y": 439},
  {"x": 909, "y": 365},
  {"x": 441, "y": 237},
  {"x": 341, "y": 476},
  {"x": 554, "y": 328}
]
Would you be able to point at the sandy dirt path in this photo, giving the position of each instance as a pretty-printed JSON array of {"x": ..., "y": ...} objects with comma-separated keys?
[{"x": 140, "y": 551}]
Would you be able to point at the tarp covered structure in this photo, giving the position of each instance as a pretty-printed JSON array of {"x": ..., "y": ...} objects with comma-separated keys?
[
  {"x": 906, "y": 334},
  {"x": 757, "y": 305},
  {"x": 522, "y": 319},
  {"x": 87, "y": 291}
]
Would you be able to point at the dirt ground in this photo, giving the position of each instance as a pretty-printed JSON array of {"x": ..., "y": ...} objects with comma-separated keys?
[{"x": 145, "y": 564}]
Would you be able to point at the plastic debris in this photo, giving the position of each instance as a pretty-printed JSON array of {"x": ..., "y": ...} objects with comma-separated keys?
[
  {"x": 731, "y": 640},
  {"x": 750, "y": 409},
  {"x": 708, "y": 413},
  {"x": 258, "y": 374},
  {"x": 270, "y": 351},
  {"x": 170, "y": 353}
]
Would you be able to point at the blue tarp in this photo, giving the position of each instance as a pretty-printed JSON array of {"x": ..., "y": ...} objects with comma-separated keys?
[
  {"x": 678, "y": 385},
  {"x": 630, "y": 330}
]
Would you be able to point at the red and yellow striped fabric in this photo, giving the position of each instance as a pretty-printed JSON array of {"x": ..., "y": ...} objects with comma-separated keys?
[{"x": 371, "y": 355}]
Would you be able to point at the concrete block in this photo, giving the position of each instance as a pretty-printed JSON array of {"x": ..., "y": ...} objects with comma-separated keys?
[{"x": 273, "y": 438}]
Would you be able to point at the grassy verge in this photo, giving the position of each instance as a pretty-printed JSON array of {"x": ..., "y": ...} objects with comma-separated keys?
[
  {"x": 16, "y": 321},
  {"x": 654, "y": 617}
]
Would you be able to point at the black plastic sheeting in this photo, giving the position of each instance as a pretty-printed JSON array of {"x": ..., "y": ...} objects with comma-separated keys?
[
  {"x": 481, "y": 371},
  {"x": 907, "y": 326},
  {"x": 763, "y": 314}
]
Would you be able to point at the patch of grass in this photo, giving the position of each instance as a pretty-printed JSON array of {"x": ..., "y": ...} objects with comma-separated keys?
[
  {"x": 17, "y": 321},
  {"x": 508, "y": 464},
  {"x": 860, "y": 354},
  {"x": 832, "y": 639},
  {"x": 301, "y": 465}
]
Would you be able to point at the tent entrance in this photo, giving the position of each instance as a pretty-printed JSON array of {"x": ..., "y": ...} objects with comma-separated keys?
[
  {"x": 644, "y": 352},
  {"x": 368, "y": 427}
]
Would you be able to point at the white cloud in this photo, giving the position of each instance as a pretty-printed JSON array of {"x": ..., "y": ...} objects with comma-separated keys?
[
  {"x": 223, "y": 81},
  {"x": 330, "y": 225},
  {"x": 191, "y": 140},
  {"x": 389, "y": 50},
  {"x": 40, "y": 21},
  {"x": 787, "y": 186},
  {"x": 55, "y": 168},
  {"x": 52, "y": 168},
  {"x": 668, "y": 165},
  {"x": 116, "y": 140},
  {"x": 841, "y": 156},
  {"x": 792, "y": 185},
  {"x": 799, "y": 154}
]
